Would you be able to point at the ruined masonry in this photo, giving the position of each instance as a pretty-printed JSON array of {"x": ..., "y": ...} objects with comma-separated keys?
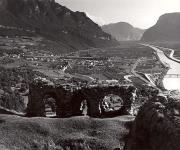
[{"x": 68, "y": 100}]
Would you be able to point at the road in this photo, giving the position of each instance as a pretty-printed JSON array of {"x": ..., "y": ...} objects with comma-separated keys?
[{"x": 139, "y": 76}]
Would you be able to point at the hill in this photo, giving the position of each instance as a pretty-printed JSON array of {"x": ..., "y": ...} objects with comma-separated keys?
[
  {"x": 166, "y": 29},
  {"x": 46, "y": 18},
  {"x": 157, "y": 125},
  {"x": 123, "y": 31},
  {"x": 76, "y": 133}
]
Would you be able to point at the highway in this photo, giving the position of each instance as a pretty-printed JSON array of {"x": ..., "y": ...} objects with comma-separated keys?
[{"x": 139, "y": 76}]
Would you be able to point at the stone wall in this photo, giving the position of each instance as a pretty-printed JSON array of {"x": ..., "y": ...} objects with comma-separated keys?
[{"x": 69, "y": 100}]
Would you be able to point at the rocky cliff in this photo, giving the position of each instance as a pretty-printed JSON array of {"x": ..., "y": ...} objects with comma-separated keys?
[
  {"x": 166, "y": 29},
  {"x": 157, "y": 126},
  {"x": 53, "y": 21},
  {"x": 123, "y": 31}
]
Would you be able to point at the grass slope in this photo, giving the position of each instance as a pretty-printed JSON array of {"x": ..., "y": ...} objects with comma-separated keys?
[{"x": 77, "y": 133}]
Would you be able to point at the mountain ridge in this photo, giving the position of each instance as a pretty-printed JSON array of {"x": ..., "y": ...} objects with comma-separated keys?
[
  {"x": 51, "y": 20},
  {"x": 123, "y": 31},
  {"x": 166, "y": 29}
]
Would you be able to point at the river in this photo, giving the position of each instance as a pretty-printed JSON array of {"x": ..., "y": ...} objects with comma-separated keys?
[{"x": 173, "y": 82}]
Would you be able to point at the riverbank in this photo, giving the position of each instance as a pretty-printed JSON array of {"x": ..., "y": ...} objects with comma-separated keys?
[
  {"x": 171, "y": 55},
  {"x": 170, "y": 83}
]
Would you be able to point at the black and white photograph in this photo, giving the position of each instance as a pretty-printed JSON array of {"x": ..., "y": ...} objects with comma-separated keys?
[{"x": 89, "y": 74}]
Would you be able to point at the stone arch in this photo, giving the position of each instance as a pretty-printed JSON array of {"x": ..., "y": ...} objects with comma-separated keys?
[
  {"x": 127, "y": 96},
  {"x": 112, "y": 103},
  {"x": 80, "y": 104},
  {"x": 69, "y": 102},
  {"x": 50, "y": 104}
]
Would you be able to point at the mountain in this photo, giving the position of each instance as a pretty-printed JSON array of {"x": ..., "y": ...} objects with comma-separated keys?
[
  {"x": 74, "y": 30},
  {"x": 167, "y": 28},
  {"x": 123, "y": 31}
]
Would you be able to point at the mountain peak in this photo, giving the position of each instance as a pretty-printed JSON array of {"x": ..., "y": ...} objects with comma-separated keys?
[
  {"x": 166, "y": 29},
  {"x": 123, "y": 31}
]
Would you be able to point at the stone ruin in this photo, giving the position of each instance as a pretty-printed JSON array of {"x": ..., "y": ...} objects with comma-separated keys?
[
  {"x": 156, "y": 127},
  {"x": 72, "y": 100}
]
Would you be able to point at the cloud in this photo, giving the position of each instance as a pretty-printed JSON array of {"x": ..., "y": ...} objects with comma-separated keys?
[{"x": 97, "y": 20}]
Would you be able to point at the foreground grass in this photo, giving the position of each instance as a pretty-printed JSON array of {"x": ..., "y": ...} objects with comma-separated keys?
[{"x": 77, "y": 133}]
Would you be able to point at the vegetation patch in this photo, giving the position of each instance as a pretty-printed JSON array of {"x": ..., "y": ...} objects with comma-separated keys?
[{"x": 64, "y": 134}]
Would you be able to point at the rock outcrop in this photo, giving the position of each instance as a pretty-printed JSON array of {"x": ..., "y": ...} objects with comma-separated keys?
[
  {"x": 166, "y": 29},
  {"x": 123, "y": 31},
  {"x": 157, "y": 126},
  {"x": 74, "y": 30}
]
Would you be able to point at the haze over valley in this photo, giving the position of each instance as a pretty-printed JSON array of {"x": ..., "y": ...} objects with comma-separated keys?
[{"x": 122, "y": 31}]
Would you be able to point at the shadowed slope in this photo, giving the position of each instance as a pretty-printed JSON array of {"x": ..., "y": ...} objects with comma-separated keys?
[
  {"x": 53, "y": 21},
  {"x": 156, "y": 127},
  {"x": 166, "y": 29}
]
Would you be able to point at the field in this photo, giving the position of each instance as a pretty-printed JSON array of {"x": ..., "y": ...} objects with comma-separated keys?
[
  {"x": 21, "y": 65},
  {"x": 19, "y": 44},
  {"x": 119, "y": 63},
  {"x": 76, "y": 133}
]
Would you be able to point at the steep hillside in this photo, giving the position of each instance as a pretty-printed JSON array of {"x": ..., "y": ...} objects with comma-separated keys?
[
  {"x": 123, "y": 31},
  {"x": 74, "y": 30},
  {"x": 167, "y": 28},
  {"x": 157, "y": 126}
]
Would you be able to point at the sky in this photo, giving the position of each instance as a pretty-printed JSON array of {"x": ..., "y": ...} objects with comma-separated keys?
[{"x": 139, "y": 13}]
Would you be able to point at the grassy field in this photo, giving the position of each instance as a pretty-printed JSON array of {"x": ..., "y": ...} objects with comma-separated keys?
[
  {"x": 77, "y": 133},
  {"x": 127, "y": 50}
]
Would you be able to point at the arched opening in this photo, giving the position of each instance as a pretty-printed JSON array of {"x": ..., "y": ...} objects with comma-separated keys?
[
  {"x": 84, "y": 108},
  {"x": 80, "y": 106},
  {"x": 111, "y": 105},
  {"x": 50, "y": 105}
]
